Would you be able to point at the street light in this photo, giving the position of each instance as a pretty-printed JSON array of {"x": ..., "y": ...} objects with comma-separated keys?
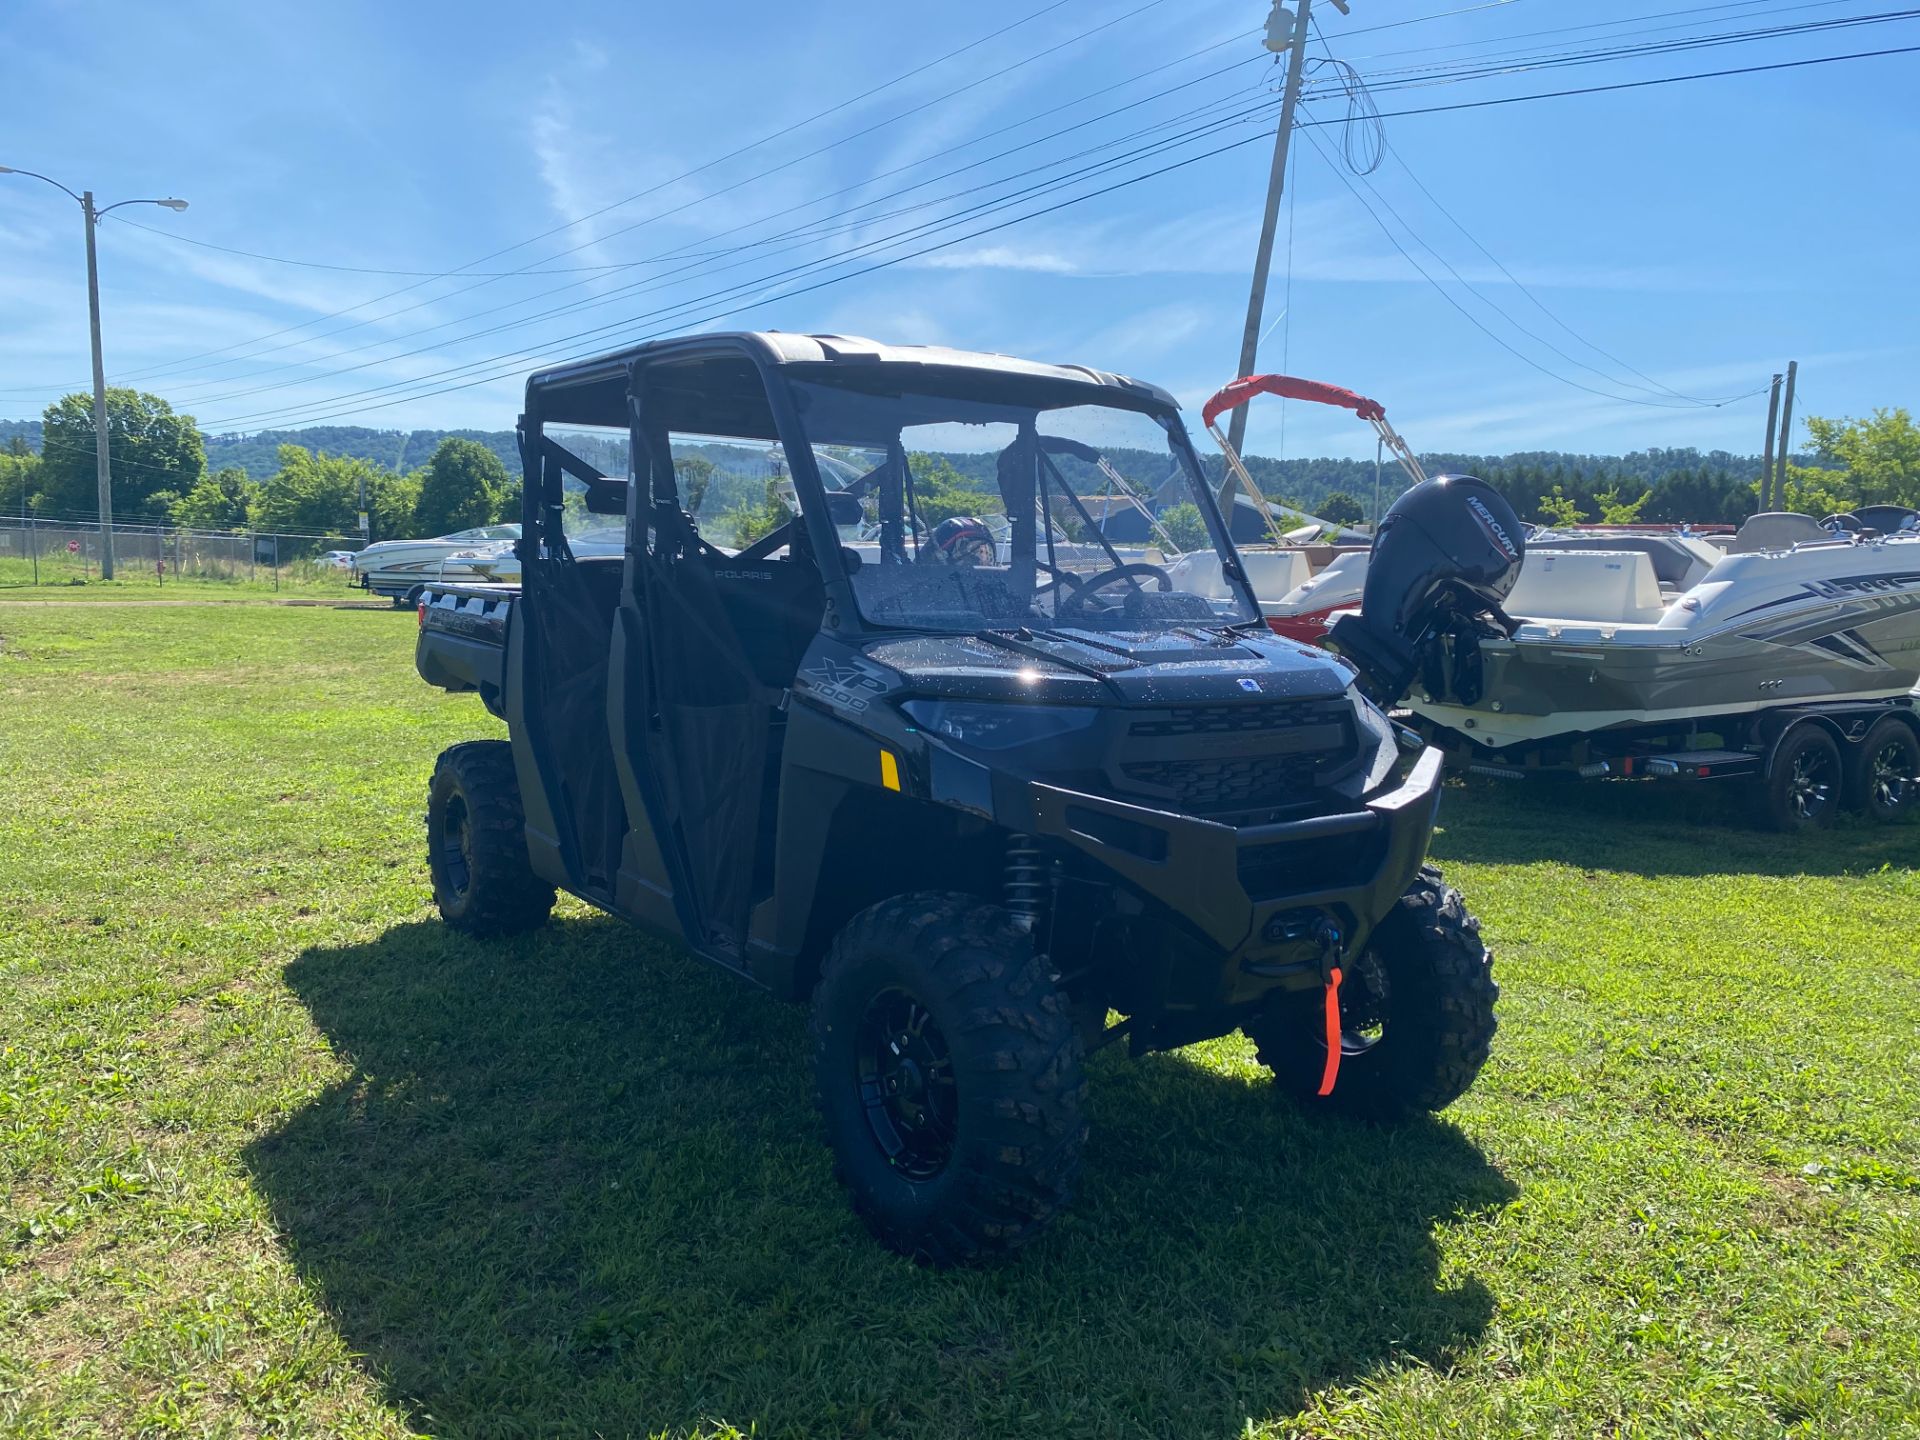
[{"x": 103, "y": 467}]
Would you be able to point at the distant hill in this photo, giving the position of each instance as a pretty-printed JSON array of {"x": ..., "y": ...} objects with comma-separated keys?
[
  {"x": 30, "y": 429},
  {"x": 1711, "y": 485},
  {"x": 258, "y": 454}
]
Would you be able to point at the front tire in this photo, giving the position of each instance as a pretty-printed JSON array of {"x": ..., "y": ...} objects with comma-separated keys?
[
  {"x": 1883, "y": 774},
  {"x": 477, "y": 844},
  {"x": 1416, "y": 1011},
  {"x": 948, "y": 1073}
]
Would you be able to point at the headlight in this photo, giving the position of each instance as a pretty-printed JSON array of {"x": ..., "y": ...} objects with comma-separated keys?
[{"x": 986, "y": 725}]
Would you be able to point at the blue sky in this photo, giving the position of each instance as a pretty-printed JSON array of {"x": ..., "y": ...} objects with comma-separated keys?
[{"x": 1702, "y": 233}]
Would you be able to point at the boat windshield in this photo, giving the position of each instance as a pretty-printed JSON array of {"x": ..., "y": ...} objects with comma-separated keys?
[{"x": 989, "y": 501}]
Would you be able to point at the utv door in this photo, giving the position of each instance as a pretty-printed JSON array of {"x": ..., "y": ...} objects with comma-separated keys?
[
  {"x": 709, "y": 643},
  {"x": 558, "y": 654}
]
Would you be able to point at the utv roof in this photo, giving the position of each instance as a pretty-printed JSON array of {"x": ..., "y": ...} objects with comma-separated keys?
[{"x": 547, "y": 389}]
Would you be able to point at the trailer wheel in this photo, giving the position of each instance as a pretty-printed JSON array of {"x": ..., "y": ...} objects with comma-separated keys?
[
  {"x": 408, "y": 600},
  {"x": 1802, "y": 791},
  {"x": 477, "y": 844},
  {"x": 948, "y": 1073},
  {"x": 1416, "y": 1010},
  {"x": 1883, "y": 773}
]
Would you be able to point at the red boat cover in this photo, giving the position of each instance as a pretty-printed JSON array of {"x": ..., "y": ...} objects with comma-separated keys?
[{"x": 1233, "y": 396}]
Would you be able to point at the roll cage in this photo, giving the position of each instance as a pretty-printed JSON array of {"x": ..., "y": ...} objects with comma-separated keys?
[{"x": 740, "y": 385}]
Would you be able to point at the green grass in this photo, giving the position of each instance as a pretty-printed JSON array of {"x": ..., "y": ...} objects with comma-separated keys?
[
  {"x": 64, "y": 578},
  {"x": 279, "y": 1154}
]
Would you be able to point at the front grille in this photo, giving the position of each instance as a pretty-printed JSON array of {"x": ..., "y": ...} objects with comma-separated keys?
[
  {"x": 1237, "y": 719},
  {"x": 1229, "y": 784},
  {"x": 1210, "y": 759}
]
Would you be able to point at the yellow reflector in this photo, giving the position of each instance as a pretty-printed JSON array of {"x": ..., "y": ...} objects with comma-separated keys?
[{"x": 889, "y": 770}]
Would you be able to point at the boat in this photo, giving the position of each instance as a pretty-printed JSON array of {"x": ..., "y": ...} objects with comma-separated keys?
[
  {"x": 398, "y": 568},
  {"x": 1791, "y": 659},
  {"x": 1599, "y": 645},
  {"x": 1300, "y": 592},
  {"x": 1678, "y": 556}
]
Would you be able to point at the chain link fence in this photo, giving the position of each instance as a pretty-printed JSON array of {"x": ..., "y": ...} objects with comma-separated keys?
[{"x": 55, "y": 552}]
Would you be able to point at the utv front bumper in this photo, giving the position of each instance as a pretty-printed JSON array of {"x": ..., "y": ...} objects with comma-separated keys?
[{"x": 1264, "y": 898}]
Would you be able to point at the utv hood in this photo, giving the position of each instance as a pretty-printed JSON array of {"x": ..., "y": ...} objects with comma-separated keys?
[{"x": 1162, "y": 667}]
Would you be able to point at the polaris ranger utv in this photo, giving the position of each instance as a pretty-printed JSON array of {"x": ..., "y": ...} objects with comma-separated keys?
[{"x": 968, "y": 784}]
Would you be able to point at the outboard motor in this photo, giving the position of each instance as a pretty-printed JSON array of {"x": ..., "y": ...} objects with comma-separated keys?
[{"x": 1446, "y": 554}]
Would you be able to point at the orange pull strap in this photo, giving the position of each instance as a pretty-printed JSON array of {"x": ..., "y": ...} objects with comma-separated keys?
[{"x": 1328, "y": 1075}]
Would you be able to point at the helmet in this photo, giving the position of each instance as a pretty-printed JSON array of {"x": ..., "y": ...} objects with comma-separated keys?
[{"x": 960, "y": 540}]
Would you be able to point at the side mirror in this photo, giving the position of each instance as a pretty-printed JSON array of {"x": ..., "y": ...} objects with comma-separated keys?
[{"x": 844, "y": 509}]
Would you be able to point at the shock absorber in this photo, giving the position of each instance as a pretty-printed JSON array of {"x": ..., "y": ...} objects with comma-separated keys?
[{"x": 1025, "y": 886}]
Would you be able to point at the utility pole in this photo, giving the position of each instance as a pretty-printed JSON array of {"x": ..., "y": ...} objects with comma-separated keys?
[
  {"x": 1276, "y": 186},
  {"x": 1766, "y": 454},
  {"x": 1786, "y": 435},
  {"x": 102, "y": 456},
  {"x": 102, "y": 459}
]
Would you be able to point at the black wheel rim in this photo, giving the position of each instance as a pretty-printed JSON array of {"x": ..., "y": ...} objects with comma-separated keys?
[
  {"x": 907, "y": 1086},
  {"x": 1891, "y": 780},
  {"x": 1810, "y": 782},
  {"x": 456, "y": 845},
  {"x": 1365, "y": 1005}
]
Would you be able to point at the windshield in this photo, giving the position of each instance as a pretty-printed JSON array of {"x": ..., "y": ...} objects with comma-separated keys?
[{"x": 986, "y": 506}]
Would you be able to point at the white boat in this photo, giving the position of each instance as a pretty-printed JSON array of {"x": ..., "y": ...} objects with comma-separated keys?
[
  {"x": 1602, "y": 645},
  {"x": 398, "y": 568},
  {"x": 1790, "y": 662}
]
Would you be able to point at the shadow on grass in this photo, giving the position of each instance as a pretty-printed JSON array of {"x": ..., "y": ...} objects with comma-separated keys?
[
  {"x": 1652, "y": 828},
  {"x": 575, "y": 1185}
]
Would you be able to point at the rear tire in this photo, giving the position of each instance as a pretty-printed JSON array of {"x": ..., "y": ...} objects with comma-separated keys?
[
  {"x": 948, "y": 1073},
  {"x": 1883, "y": 773},
  {"x": 477, "y": 844},
  {"x": 1802, "y": 791},
  {"x": 1416, "y": 1007}
]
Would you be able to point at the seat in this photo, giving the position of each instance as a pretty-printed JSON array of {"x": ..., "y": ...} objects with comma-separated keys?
[
  {"x": 1672, "y": 562},
  {"x": 1607, "y": 587},
  {"x": 1272, "y": 573},
  {"x": 775, "y": 607},
  {"x": 603, "y": 575},
  {"x": 1887, "y": 519},
  {"x": 1776, "y": 530}
]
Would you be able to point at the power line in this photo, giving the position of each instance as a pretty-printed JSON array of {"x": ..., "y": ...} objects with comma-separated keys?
[
  {"x": 1448, "y": 296},
  {"x": 524, "y": 300},
  {"x": 1354, "y": 90},
  {"x": 1634, "y": 84},
  {"x": 1449, "y": 73},
  {"x": 785, "y": 240},
  {"x": 787, "y": 244},
  {"x": 699, "y": 169},
  {"x": 790, "y": 272},
  {"x": 156, "y": 371},
  {"x": 1587, "y": 58},
  {"x": 838, "y": 279},
  {"x": 1538, "y": 303},
  {"x": 350, "y": 269},
  {"x": 1309, "y": 124},
  {"x": 1422, "y": 19},
  {"x": 1694, "y": 15}
]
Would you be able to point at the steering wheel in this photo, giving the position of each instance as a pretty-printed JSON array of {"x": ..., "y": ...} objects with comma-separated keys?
[
  {"x": 1085, "y": 589},
  {"x": 1843, "y": 522}
]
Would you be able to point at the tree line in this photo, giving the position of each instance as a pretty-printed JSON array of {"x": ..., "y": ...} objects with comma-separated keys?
[{"x": 162, "y": 475}]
